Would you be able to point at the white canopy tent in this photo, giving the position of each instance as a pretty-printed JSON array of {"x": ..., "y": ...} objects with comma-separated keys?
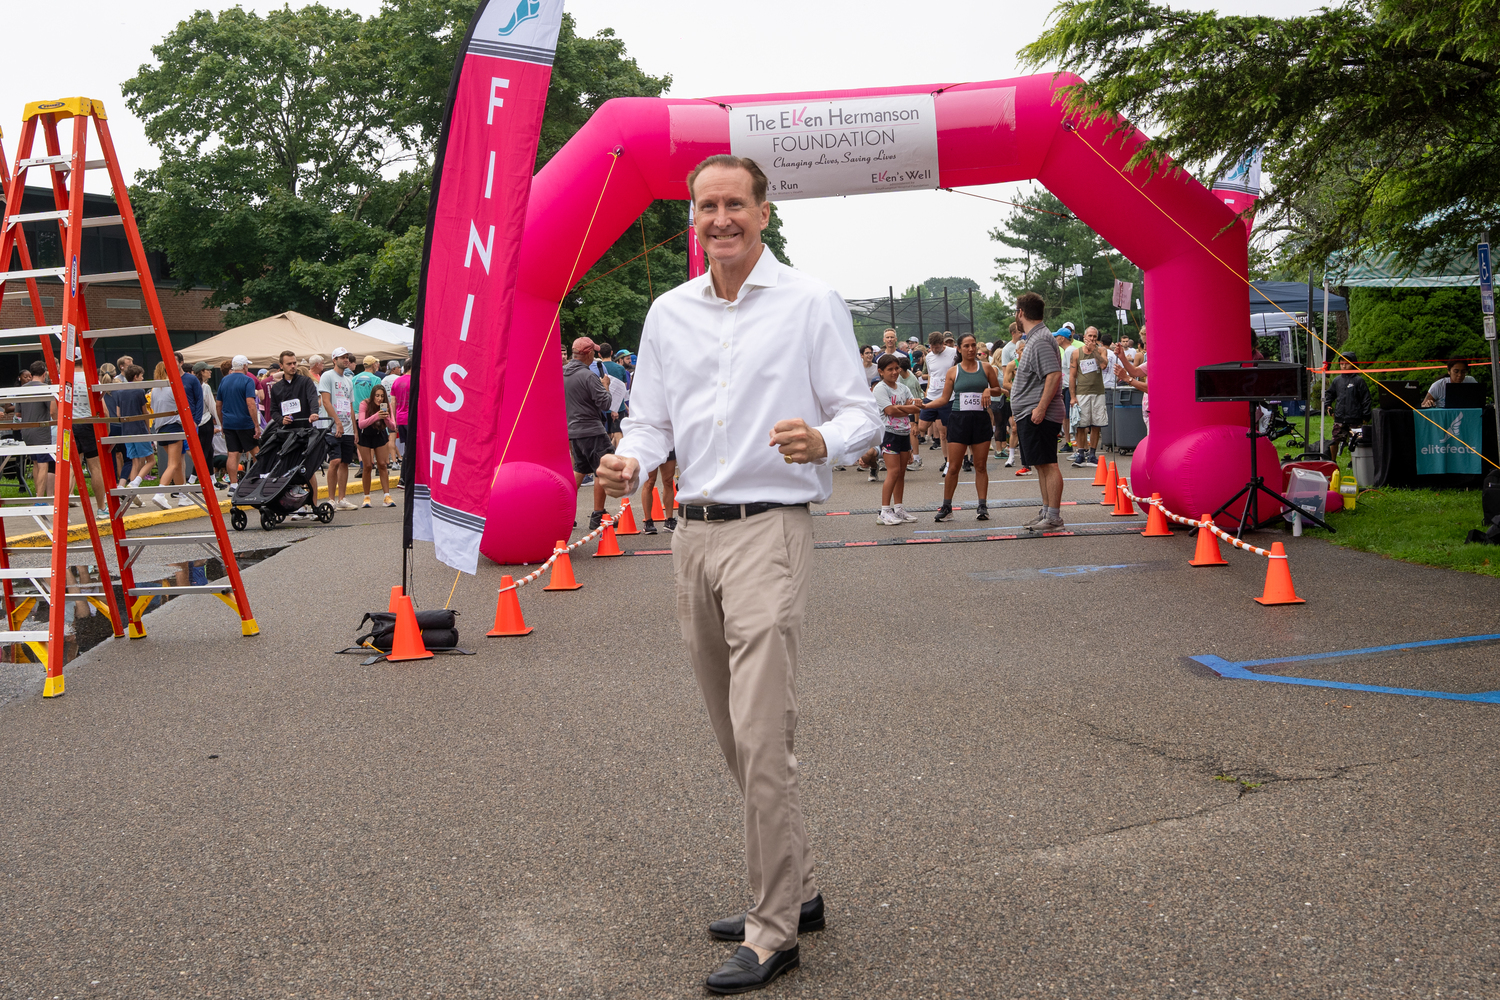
[{"x": 384, "y": 329}]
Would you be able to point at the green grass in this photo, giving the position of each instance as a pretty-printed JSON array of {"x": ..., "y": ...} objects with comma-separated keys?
[{"x": 1418, "y": 526}]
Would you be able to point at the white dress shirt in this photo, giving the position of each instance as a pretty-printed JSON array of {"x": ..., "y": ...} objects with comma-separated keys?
[{"x": 715, "y": 376}]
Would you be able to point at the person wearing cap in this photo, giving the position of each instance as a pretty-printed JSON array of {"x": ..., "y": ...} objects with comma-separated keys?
[
  {"x": 587, "y": 397},
  {"x": 239, "y": 415},
  {"x": 336, "y": 391},
  {"x": 205, "y": 419},
  {"x": 752, "y": 461}
]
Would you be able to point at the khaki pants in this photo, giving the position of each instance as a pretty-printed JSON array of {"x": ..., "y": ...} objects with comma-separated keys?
[{"x": 741, "y": 593}]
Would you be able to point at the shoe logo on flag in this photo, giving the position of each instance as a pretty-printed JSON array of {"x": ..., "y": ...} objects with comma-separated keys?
[{"x": 525, "y": 11}]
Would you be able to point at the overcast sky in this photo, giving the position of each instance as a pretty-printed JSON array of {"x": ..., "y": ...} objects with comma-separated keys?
[{"x": 859, "y": 245}]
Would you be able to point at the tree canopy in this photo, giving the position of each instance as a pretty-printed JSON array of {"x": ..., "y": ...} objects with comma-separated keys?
[
  {"x": 296, "y": 152},
  {"x": 1376, "y": 117},
  {"x": 1049, "y": 242}
]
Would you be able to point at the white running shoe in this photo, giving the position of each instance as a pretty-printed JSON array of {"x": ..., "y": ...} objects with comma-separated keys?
[
  {"x": 1010, "y": 458},
  {"x": 184, "y": 501},
  {"x": 345, "y": 504},
  {"x": 916, "y": 463},
  {"x": 904, "y": 514},
  {"x": 889, "y": 516},
  {"x": 162, "y": 501}
]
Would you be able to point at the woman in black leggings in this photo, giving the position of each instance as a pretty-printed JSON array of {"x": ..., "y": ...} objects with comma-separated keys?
[{"x": 969, "y": 384}]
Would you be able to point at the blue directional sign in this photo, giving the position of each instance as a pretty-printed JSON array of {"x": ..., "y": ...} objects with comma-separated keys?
[{"x": 1486, "y": 282}]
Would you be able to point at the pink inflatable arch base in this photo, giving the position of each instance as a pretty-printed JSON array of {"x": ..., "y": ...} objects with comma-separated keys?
[{"x": 1184, "y": 239}]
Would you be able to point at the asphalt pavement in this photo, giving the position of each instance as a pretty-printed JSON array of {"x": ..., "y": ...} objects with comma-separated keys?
[{"x": 1016, "y": 781}]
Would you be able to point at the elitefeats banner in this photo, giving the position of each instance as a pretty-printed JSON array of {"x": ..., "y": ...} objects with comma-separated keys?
[
  {"x": 818, "y": 149},
  {"x": 481, "y": 183}
]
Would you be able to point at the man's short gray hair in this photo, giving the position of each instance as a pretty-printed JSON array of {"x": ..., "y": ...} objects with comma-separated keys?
[{"x": 316, "y": 359}]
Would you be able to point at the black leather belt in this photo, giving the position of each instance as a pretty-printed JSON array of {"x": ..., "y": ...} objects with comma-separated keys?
[{"x": 729, "y": 511}]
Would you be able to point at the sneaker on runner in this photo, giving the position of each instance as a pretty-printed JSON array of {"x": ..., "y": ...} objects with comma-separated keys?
[
  {"x": 345, "y": 504},
  {"x": 184, "y": 501},
  {"x": 596, "y": 519},
  {"x": 968, "y": 464},
  {"x": 1093, "y": 456},
  {"x": 945, "y": 513},
  {"x": 904, "y": 514},
  {"x": 934, "y": 446},
  {"x": 648, "y": 527},
  {"x": 366, "y": 505},
  {"x": 670, "y": 524},
  {"x": 588, "y": 480},
  {"x": 1035, "y": 523},
  {"x": 1010, "y": 459},
  {"x": 162, "y": 501},
  {"x": 944, "y": 470},
  {"x": 388, "y": 501},
  {"x": 888, "y": 516},
  {"x": 1077, "y": 459},
  {"x": 1051, "y": 524},
  {"x": 873, "y": 477},
  {"x": 916, "y": 463},
  {"x": 984, "y": 512},
  {"x": 1023, "y": 471}
]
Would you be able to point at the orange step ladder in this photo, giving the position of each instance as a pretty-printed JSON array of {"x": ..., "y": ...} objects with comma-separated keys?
[{"x": 68, "y": 348}]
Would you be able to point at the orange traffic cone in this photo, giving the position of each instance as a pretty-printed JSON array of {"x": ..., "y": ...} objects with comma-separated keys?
[
  {"x": 1123, "y": 506},
  {"x": 1111, "y": 485},
  {"x": 627, "y": 520},
  {"x": 1100, "y": 473},
  {"x": 508, "y": 620},
  {"x": 396, "y": 595},
  {"x": 407, "y": 643},
  {"x": 607, "y": 544},
  {"x": 1208, "y": 553},
  {"x": 1278, "y": 579},
  {"x": 657, "y": 513},
  {"x": 562, "y": 570},
  {"x": 1156, "y": 519}
]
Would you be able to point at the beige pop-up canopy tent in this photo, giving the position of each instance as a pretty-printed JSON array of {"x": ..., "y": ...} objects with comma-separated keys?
[{"x": 264, "y": 340}]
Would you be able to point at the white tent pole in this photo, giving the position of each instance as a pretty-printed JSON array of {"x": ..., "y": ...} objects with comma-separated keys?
[{"x": 1323, "y": 356}]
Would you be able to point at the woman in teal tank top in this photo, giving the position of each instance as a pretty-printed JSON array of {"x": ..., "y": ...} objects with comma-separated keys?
[{"x": 970, "y": 383}]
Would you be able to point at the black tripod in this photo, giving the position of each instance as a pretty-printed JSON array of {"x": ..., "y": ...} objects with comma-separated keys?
[{"x": 1256, "y": 486}]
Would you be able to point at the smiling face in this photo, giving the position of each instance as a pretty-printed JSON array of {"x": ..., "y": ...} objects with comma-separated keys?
[
  {"x": 868, "y": 353},
  {"x": 890, "y": 341},
  {"x": 726, "y": 215}
]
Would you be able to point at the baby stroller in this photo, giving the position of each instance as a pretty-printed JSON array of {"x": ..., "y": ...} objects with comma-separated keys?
[{"x": 276, "y": 484}]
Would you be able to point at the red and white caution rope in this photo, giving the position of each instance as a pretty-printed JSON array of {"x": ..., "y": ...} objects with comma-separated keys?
[
  {"x": 536, "y": 574},
  {"x": 1192, "y": 523}
]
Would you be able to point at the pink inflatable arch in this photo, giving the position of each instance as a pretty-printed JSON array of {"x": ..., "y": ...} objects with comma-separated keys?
[{"x": 1183, "y": 237}]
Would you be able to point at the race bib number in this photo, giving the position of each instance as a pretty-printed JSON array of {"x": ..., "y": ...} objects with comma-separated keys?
[
  {"x": 1088, "y": 366},
  {"x": 291, "y": 407},
  {"x": 968, "y": 401}
]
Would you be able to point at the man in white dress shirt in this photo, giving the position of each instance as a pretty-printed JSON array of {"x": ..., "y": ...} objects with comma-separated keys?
[{"x": 752, "y": 374}]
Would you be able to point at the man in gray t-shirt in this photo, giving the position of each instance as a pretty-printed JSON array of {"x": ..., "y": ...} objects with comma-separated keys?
[{"x": 1036, "y": 401}]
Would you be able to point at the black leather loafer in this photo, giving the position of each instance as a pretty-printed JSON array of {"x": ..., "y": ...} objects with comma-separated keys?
[
  {"x": 744, "y": 972},
  {"x": 733, "y": 928}
]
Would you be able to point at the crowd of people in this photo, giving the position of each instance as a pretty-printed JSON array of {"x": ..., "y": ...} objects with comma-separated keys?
[
  {"x": 958, "y": 396},
  {"x": 354, "y": 401}
]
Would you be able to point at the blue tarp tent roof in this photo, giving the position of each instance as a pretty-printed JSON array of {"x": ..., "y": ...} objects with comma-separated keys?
[{"x": 1290, "y": 296}]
